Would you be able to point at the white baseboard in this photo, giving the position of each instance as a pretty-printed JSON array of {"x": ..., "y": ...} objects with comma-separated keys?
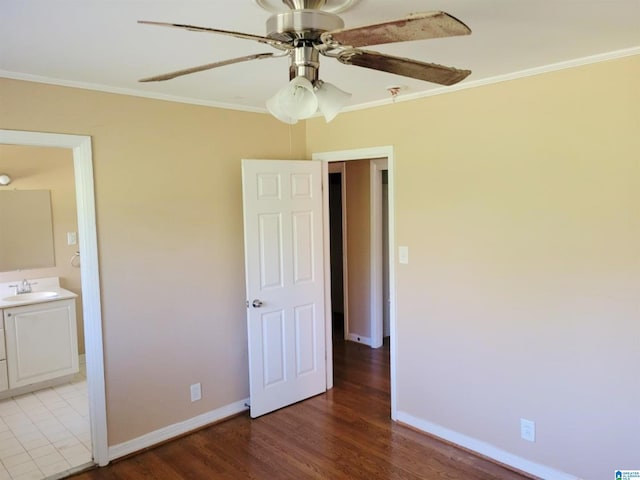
[
  {"x": 485, "y": 449},
  {"x": 153, "y": 438},
  {"x": 359, "y": 339}
]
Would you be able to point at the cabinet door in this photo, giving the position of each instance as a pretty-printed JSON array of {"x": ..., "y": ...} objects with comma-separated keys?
[
  {"x": 3, "y": 354},
  {"x": 41, "y": 342},
  {"x": 4, "y": 380}
]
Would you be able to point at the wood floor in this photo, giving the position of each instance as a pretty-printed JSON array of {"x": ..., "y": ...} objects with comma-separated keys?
[{"x": 345, "y": 433}]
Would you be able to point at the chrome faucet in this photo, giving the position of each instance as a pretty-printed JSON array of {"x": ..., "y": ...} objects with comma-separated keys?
[{"x": 24, "y": 287}]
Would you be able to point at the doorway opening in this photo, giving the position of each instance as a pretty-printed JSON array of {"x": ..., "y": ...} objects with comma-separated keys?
[
  {"x": 89, "y": 273},
  {"x": 359, "y": 251},
  {"x": 44, "y": 407},
  {"x": 379, "y": 295}
]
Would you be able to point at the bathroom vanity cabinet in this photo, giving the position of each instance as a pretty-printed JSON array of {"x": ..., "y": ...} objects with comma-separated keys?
[{"x": 41, "y": 344}]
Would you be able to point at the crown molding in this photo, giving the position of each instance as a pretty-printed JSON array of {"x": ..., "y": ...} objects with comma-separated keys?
[
  {"x": 554, "y": 67},
  {"x": 124, "y": 91}
]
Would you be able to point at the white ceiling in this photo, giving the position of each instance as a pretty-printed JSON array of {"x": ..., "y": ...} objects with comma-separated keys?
[{"x": 98, "y": 44}]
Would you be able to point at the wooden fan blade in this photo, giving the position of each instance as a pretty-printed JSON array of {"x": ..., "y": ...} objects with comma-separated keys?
[
  {"x": 208, "y": 66},
  {"x": 429, "y": 72},
  {"x": 417, "y": 26},
  {"x": 247, "y": 36}
]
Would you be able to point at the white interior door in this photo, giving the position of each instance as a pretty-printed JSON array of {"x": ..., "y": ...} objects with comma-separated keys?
[{"x": 285, "y": 281}]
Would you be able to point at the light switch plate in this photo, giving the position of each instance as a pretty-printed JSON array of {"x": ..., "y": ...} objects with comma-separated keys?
[
  {"x": 403, "y": 254},
  {"x": 72, "y": 238}
]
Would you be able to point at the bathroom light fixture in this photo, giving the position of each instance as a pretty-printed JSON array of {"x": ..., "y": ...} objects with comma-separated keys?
[
  {"x": 4, "y": 179},
  {"x": 301, "y": 98}
]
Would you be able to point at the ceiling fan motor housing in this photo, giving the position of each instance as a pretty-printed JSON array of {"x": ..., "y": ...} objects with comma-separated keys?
[
  {"x": 303, "y": 28},
  {"x": 302, "y": 25}
]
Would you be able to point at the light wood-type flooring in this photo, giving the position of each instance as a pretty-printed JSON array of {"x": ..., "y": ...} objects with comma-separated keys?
[{"x": 345, "y": 433}]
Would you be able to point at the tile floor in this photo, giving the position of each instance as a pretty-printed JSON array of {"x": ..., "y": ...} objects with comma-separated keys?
[{"x": 45, "y": 433}]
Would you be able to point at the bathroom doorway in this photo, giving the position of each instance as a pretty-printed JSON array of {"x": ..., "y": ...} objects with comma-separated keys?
[
  {"x": 80, "y": 148},
  {"x": 44, "y": 426}
]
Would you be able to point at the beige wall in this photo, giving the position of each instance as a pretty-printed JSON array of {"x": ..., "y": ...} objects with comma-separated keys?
[
  {"x": 518, "y": 201},
  {"x": 520, "y": 204},
  {"x": 358, "y": 248},
  {"x": 44, "y": 168},
  {"x": 169, "y": 222}
]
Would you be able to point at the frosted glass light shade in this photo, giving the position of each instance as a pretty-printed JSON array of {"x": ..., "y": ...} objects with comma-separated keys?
[
  {"x": 331, "y": 100},
  {"x": 5, "y": 179},
  {"x": 273, "y": 105},
  {"x": 299, "y": 99},
  {"x": 295, "y": 101}
]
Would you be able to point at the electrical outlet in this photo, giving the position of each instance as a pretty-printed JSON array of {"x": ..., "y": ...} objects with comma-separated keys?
[
  {"x": 528, "y": 430},
  {"x": 196, "y": 392}
]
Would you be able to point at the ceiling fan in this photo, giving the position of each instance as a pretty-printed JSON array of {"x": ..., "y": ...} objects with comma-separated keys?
[{"x": 305, "y": 31}]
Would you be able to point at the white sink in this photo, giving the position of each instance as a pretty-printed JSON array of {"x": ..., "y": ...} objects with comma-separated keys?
[{"x": 29, "y": 297}]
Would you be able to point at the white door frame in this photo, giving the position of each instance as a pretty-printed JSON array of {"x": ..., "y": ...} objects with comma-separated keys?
[
  {"x": 90, "y": 280},
  {"x": 362, "y": 154}
]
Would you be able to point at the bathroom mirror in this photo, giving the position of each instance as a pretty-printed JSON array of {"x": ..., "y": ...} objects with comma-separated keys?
[{"x": 26, "y": 230}]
